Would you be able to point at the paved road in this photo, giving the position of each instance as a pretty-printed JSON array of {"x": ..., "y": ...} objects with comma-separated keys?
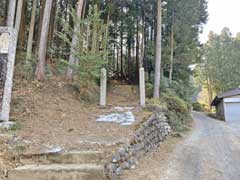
[{"x": 211, "y": 152}]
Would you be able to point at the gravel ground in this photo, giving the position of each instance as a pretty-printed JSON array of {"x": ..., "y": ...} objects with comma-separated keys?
[{"x": 210, "y": 152}]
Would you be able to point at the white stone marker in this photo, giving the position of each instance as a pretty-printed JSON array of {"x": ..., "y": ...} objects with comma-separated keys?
[
  {"x": 142, "y": 86},
  {"x": 103, "y": 87},
  {"x": 5, "y": 111},
  {"x": 4, "y": 43}
]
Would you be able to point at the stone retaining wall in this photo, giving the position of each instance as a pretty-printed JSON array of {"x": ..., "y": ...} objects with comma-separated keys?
[{"x": 147, "y": 138}]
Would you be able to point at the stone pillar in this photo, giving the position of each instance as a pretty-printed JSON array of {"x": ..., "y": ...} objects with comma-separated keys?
[
  {"x": 142, "y": 86},
  {"x": 7, "y": 91},
  {"x": 103, "y": 87}
]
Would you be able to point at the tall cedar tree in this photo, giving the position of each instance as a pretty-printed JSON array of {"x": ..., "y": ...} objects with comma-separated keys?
[
  {"x": 158, "y": 56},
  {"x": 40, "y": 71}
]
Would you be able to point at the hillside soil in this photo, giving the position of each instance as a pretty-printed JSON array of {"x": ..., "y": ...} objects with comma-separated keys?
[
  {"x": 51, "y": 114},
  {"x": 51, "y": 117}
]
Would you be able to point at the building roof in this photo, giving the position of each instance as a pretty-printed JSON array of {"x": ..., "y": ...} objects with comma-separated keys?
[{"x": 223, "y": 95}]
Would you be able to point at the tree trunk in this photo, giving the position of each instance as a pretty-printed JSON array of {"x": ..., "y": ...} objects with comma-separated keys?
[
  {"x": 117, "y": 60},
  {"x": 59, "y": 29},
  {"x": 152, "y": 25},
  {"x": 72, "y": 58},
  {"x": 209, "y": 88},
  {"x": 52, "y": 24},
  {"x": 142, "y": 48},
  {"x": 95, "y": 31},
  {"x": 31, "y": 30},
  {"x": 211, "y": 94},
  {"x": 121, "y": 55},
  {"x": 171, "y": 55},
  {"x": 137, "y": 52},
  {"x": 84, "y": 8},
  {"x": 11, "y": 13},
  {"x": 41, "y": 13},
  {"x": 141, "y": 59},
  {"x": 106, "y": 39},
  {"x": 22, "y": 29},
  {"x": 158, "y": 57},
  {"x": 129, "y": 53},
  {"x": 18, "y": 16},
  {"x": 121, "y": 40},
  {"x": 142, "y": 53},
  {"x": 40, "y": 71}
]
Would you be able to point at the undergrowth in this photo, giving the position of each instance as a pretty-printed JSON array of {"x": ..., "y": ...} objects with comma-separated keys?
[{"x": 176, "y": 110}]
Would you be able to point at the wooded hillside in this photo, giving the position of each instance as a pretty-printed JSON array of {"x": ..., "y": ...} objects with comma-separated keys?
[
  {"x": 219, "y": 68},
  {"x": 75, "y": 38}
]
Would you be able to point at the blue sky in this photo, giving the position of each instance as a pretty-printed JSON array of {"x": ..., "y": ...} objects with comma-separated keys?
[{"x": 222, "y": 13}]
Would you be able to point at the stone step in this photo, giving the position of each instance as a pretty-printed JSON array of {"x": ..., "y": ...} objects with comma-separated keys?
[
  {"x": 73, "y": 157},
  {"x": 58, "y": 172}
]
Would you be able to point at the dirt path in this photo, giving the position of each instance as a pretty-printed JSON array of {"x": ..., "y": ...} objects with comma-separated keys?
[{"x": 211, "y": 152}]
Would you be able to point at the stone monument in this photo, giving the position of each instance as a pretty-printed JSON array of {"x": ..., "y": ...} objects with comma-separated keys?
[
  {"x": 103, "y": 87},
  {"x": 8, "y": 45},
  {"x": 142, "y": 86}
]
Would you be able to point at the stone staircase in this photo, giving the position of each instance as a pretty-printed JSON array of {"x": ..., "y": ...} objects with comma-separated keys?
[{"x": 75, "y": 165}]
